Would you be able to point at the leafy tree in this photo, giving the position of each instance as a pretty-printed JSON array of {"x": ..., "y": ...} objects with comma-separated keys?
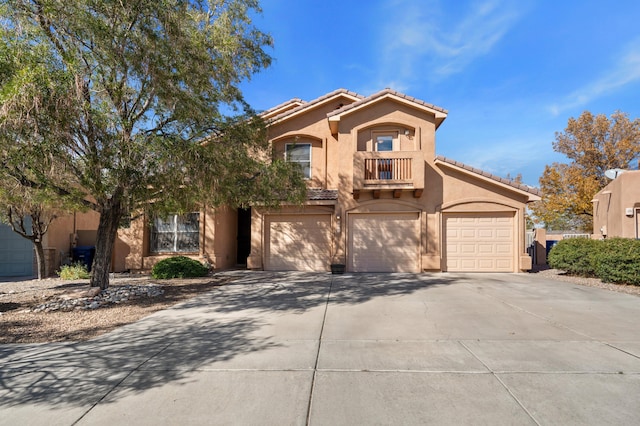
[
  {"x": 28, "y": 203},
  {"x": 132, "y": 89},
  {"x": 594, "y": 144}
]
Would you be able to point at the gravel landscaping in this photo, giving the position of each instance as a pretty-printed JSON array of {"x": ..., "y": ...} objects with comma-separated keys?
[{"x": 54, "y": 310}]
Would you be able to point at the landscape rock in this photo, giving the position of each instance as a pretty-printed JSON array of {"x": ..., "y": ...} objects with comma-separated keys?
[{"x": 94, "y": 298}]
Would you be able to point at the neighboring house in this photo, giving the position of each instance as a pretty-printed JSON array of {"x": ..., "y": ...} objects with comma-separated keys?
[
  {"x": 380, "y": 200},
  {"x": 616, "y": 208},
  {"x": 17, "y": 256}
]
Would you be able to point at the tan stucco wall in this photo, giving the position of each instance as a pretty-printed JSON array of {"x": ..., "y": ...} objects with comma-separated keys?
[
  {"x": 80, "y": 229},
  {"x": 223, "y": 252},
  {"x": 610, "y": 218}
]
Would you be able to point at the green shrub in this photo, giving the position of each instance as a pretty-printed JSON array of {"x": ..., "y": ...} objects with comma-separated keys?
[
  {"x": 618, "y": 261},
  {"x": 576, "y": 256},
  {"x": 75, "y": 271},
  {"x": 178, "y": 267}
]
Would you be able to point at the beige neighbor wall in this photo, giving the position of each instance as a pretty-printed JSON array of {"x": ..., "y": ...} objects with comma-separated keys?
[
  {"x": 79, "y": 229},
  {"x": 610, "y": 205},
  {"x": 218, "y": 241}
]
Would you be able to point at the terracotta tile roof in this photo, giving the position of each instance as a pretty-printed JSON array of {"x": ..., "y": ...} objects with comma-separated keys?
[
  {"x": 520, "y": 186},
  {"x": 282, "y": 105},
  {"x": 309, "y": 104},
  {"x": 322, "y": 194},
  {"x": 382, "y": 93}
]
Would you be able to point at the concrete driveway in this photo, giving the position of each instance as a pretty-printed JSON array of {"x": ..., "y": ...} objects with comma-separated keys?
[{"x": 297, "y": 348}]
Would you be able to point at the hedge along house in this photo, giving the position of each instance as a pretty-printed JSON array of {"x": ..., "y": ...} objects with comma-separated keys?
[
  {"x": 379, "y": 199},
  {"x": 616, "y": 208}
]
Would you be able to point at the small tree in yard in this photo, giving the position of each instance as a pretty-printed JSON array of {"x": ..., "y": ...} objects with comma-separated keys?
[
  {"x": 118, "y": 97},
  {"x": 29, "y": 213}
]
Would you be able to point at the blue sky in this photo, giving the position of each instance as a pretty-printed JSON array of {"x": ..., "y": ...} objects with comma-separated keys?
[{"x": 510, "y": 72}]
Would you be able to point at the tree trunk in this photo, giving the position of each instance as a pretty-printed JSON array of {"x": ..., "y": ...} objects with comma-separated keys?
[
  {"x": 37, "y": 244},
  {"x": 107, "y": 231}
]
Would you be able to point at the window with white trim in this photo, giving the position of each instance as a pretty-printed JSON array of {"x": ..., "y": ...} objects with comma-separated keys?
[
  {"x": 299, "y": 153},
  {"x": 175, "y": 234},
  {"x": 384, "y": 140},
  {"x": 384, "y": 143}
]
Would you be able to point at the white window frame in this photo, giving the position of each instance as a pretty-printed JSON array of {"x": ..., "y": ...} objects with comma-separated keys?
[
  {"x": 174, "y": 233},
  {"x": 395, "y": 142},
  {"x": 286, "y": 156}
]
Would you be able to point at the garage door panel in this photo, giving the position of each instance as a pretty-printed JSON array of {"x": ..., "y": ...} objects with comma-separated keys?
[
  {"x": 16, "y": 253},
  {"x": 384, "y": 242},
  {"x": 485, "y": 233},
  {"x": 298, "y": 243},
  {"x": 479, "y": 242}
]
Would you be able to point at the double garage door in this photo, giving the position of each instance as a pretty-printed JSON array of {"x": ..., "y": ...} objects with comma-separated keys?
[
  {"x": 377, "y": 242},
  {"x": 479, "y": 242}
]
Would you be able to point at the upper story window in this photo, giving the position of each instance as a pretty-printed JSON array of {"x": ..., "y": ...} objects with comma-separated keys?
[
  {"x": 175, "y": 234},
  {"x": 299, "y": 153},
  {"x": 385, "y": 141}
]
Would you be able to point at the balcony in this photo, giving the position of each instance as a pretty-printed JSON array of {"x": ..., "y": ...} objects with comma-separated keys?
[{"x": 390, "y": 170}]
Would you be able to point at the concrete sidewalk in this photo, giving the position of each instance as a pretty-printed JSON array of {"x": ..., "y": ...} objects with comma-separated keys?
[{"x": 301, "y": 348}]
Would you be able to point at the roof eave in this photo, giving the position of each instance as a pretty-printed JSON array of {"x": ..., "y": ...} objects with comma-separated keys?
[
  {"x": 314, "y": 104},
  {"x": 334, "y": 117}
]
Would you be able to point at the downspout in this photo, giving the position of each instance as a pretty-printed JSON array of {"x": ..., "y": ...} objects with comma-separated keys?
[{"x": 326, "y": 163}]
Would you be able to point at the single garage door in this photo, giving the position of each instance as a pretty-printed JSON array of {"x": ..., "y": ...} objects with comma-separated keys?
[
  {"x": 16, "y": 254},
  {"x": 298, "y": 242},
  {"x": 388, "y": 242},
  {"x": 479, "y": 242}
]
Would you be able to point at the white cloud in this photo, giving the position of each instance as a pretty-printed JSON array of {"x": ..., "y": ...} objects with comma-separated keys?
[
  {"x": 419, "y": 36},
  {"x": 626, "y": 70}
]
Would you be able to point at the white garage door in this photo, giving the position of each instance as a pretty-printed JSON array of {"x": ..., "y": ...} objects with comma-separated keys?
[
  {"x": 479, "y": 242},
  {"x": 16, "y": 253},
  {"x": 298, "y": 242},
  {"x": 388, "y": 242}
]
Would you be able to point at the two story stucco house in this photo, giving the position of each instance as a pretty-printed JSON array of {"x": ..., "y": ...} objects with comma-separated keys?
[{"x": 379, "y": 199}]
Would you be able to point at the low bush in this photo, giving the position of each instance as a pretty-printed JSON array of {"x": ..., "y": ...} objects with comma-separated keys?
[
  {"x": 577, "y": 256},
  {"x": 75, "y": 271},
  {"x": 618, "y": 261},
  {"x": 178, "y": 267}
]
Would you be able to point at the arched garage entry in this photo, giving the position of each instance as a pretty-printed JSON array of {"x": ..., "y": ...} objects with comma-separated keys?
[
  {"x": 480, "y": 242},
  {"x": 386, "y": 239}
]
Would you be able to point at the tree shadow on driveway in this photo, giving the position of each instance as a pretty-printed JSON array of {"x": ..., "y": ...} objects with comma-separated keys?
[{"x": 214, "y": 327}]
